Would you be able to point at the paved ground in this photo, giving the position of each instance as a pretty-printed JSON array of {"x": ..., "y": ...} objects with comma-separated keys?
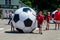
[{"x": 5, "y": 33}]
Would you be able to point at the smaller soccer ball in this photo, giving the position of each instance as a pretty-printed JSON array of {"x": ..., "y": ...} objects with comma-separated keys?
[{"x": 24, "y": 19}]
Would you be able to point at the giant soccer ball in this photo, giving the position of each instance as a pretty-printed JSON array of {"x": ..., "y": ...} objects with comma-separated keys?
[
  {"x": 57, "y": 16},
  {"x": 53, "y": 13},
  {"x": 24, "y": 19}
]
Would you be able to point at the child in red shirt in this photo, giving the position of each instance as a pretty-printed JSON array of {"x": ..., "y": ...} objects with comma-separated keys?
[
  {"x": 40, "y": 19},
  {"x": 48, "y": 17}
]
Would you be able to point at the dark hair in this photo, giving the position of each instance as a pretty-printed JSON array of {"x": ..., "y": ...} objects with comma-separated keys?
[
  {"x": 46, "y": 14},
  {"x": 12, "y": 12}
]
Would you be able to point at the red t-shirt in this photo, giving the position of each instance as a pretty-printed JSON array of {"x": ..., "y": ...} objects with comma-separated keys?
[
  {"x": 57, "y": 16},
  {"x": 48, "y": 17},
  {"x": 40, "y": 19}
]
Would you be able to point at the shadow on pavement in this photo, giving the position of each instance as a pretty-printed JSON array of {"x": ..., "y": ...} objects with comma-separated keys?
[
  {"x": 16, "y": 32},
  {"x": 49, "y": 29},
  {"x": 12, "y": 32}
]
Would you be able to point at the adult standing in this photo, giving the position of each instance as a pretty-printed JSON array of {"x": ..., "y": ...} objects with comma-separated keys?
[{"x": 57, "y": 18}]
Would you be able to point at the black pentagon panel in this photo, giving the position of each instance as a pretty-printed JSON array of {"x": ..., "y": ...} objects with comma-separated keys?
[
  {"x": 16, "y": 18},
  {"x": 19, "y": 30},
  {"x": 28, "y": 22},
  {"x": 26, "y": 9}
]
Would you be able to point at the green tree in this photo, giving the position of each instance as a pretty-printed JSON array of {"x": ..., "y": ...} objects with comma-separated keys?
[
  {"x": 42, "y": 4},
  {"x": 27, "y": 2},
  {"x": 46, "y": 4}
]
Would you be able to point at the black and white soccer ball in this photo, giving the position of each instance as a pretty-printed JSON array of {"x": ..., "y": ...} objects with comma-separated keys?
[
  {"x": 53, "y": 13},
  {"x": 24, "y": 19}
]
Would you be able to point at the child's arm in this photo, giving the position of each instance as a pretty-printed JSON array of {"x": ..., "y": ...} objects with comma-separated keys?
[{"x": 43, "y": 21}]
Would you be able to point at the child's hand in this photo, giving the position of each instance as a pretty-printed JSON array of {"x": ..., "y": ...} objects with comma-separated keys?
[{"x": 44, "y": 23}]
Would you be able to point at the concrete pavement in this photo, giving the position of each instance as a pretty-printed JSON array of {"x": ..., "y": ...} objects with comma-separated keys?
[{"x": 5, "y": 33}]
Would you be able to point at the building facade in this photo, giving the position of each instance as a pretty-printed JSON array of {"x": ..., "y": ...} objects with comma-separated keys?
[{"x": 8, "y": 5}]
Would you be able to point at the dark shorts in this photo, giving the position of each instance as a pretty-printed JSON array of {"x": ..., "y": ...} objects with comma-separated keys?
[{"x": 40, "y": 26}]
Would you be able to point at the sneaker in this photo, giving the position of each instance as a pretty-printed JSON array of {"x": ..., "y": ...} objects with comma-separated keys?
[
  {"x": 47, "y": 29},
  {"x": 40, "y": 33}
]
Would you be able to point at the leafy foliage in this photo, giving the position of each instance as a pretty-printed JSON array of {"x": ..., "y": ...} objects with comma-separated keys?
[
  {"x": 27, "y": 2},
  {"x": 42, "y": 4}
]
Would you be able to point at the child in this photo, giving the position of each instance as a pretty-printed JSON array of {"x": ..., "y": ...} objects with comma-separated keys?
[
  {"x": 12, "y": 27},
  {"x": 48, "y": 17},
  {"x": 40, "y": 19}
]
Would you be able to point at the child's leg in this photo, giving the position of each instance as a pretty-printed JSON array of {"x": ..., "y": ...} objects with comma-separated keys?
[
  {"x": 58, "y": 26},
  {"x": 47, "y": 27},
  {"x": 40, "y": 29},
  {"x": 55, "y": 26},
  {"x": 12, "y": 28}
]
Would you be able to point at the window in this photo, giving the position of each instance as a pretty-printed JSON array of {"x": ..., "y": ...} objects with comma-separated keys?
[
  {"x": 10, "y": 2},
  {"x": 7, "y": 2}
]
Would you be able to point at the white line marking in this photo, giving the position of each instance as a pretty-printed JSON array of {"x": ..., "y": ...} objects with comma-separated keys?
[
  {"x": 4, "y": 30},
  {"x": 1, "y": 28}
]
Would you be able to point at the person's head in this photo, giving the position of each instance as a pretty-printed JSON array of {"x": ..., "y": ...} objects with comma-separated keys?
[
  {"x": 58, "y": 8},
  {"x": 48, "y": 13},
  {"x": 40, "y": 12}
]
